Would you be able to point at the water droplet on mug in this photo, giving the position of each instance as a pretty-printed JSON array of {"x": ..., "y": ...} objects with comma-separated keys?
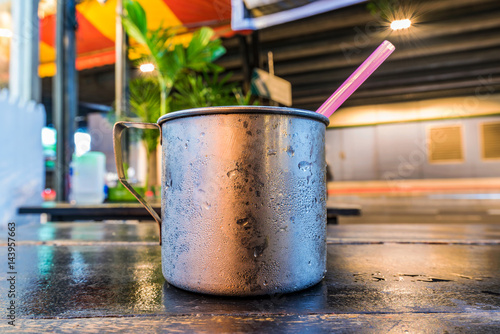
[
  {"x": 207, "y": 206},
  {"x": 242, "y": 222},
  {"x": 271, "y": 152},
  {"x": 232, "y": 173},
  {"x": 290, "y": 151},
  {"x": 257, "y": 251},
  {"x": 304, "y": 165},
  {"x": 202, "y": 134}
]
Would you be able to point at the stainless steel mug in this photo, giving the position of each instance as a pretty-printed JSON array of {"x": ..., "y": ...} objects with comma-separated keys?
[{"x": 243, "y": 198}]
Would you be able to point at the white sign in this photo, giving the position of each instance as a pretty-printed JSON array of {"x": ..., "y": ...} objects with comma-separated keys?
[
  {"x": 270, "y": 86},
  {"x": 242, "y": 11}
]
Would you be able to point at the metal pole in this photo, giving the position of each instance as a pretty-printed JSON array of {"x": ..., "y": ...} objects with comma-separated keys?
[
  {"x": 65, "y": 93},
  {"x": 36, "y": 84},
  {"x": 58, "y": 105},
  {"x": 256, "y": 58},
  {"x": 270, "y": 64},
  {"x": 245, "y": 63},
  {"x": 121, "y": 72},
  {"x": 121, "y": 64},
  {"x": 24, "y": 82},
  {"x": 16, "y": 50}
]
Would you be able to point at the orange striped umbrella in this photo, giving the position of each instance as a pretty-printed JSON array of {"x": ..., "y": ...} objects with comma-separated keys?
[{"x": 95, "y": 36}]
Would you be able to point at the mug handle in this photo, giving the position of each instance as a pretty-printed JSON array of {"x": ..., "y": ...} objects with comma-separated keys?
[{"x": 117, "y": 146}]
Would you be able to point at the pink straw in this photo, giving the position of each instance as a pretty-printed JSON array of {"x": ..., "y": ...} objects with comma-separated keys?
[{"x": 356, "y": 79}]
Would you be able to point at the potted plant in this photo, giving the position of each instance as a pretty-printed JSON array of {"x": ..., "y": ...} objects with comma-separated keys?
[{"x": 151, "y": 97}]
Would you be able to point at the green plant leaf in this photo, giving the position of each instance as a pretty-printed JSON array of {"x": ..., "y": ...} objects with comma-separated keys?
[
  {"x": 135, "y": 20},
  {"x": 217, "y": 50},
  {"x": 201, "y": 38},
  {"x": 207, "y": 89},
  {"x": 186, "y": 77},
  {"x": 202, "y": 50},
  {"x": 145, "y": 102}
]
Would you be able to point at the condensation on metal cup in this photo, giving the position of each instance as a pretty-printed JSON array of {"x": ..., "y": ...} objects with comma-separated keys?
[{"x": 243, "y": 199}]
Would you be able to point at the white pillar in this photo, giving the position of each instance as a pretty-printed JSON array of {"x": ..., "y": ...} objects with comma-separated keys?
[{"x": 24, "y": 82}]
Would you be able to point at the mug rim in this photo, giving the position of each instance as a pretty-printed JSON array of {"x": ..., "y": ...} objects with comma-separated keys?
[{"x": 243, "y": 110}]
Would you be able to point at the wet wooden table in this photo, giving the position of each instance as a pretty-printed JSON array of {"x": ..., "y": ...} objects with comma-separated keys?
[
  {"x": 134, "y": 211},
  {"x": 106, "y": 277}
]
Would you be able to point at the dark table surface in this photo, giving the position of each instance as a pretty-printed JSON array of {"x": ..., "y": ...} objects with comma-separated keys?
[
  {"x": 135, "y": 211},
  {"x": 106, "y": 277}
]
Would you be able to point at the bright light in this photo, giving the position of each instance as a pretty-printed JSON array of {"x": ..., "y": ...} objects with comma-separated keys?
[
  {"x": 82, "y": 143},
  {"x": 5, "y": 33},
  {"x": 400, "y": 24},
  {"x": 147, "y": 68},
  {"x": 46, "y": 7},
  {"x": 48, "y": 136}
]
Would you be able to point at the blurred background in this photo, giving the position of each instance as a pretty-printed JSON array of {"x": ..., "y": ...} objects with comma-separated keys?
[{"x": 419, "y": 141}]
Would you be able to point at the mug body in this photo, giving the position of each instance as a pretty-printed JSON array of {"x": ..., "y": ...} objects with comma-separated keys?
[{"x": 243, "y": 200}]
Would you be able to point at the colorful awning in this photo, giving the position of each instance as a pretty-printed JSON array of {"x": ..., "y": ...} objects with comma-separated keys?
[{"x": 95, "y": 36}]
